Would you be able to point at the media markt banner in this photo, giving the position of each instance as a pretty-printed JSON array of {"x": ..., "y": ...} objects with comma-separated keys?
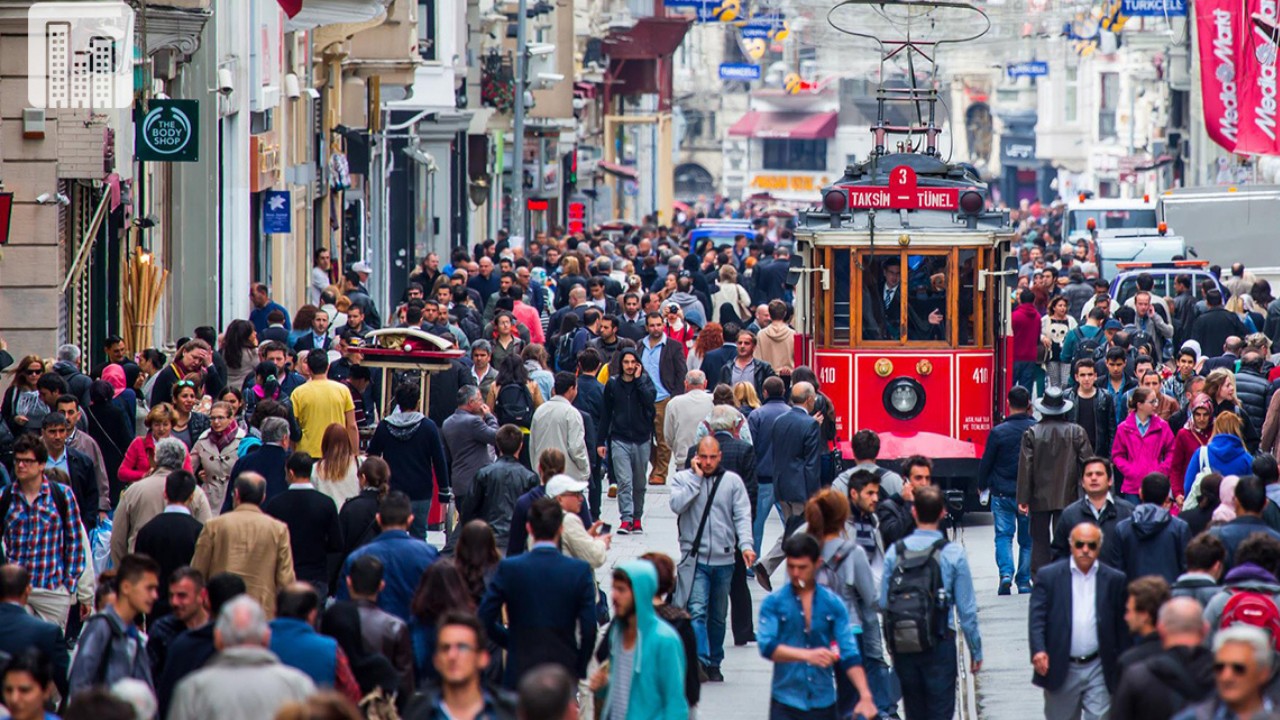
[
  {"x": 1257, "y": 71},
  {"x": 1218, "y": 27},
  {"x": 168, "y": 131}
]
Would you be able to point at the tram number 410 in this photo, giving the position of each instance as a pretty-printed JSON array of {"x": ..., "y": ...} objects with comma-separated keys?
[
  {"x": 982, "y": 375},
  {"x": 827, "y": 375}
]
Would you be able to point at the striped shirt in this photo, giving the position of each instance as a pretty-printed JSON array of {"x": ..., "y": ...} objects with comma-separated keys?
[{"x": 47, "y": 545}]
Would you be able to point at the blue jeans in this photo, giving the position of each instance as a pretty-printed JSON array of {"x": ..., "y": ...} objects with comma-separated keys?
[
  {"x": 421, "y": 509},
  {"x": 929, "y": 681},
  {"x": 1025, "y": 374},
  {"x": 880, "y": 679},
  {"x": 709, "y": 606},
  {"x": 1004, "y": 510},
  {"x": 764, "y": 503}
]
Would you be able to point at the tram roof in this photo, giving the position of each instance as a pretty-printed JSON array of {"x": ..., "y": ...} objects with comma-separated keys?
[{"x": 892, "y": 240}]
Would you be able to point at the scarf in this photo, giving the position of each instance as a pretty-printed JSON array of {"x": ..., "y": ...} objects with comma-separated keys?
[
  {"x": 222, "y": 439},
  {"x": 114, "y": 374}
]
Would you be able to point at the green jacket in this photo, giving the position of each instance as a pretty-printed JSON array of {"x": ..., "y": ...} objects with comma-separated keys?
[{"x": 657, "y": 672}]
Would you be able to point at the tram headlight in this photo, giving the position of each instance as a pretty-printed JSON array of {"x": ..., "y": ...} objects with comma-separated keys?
[
  {"x": 835, "y": 201},
  {"x": 904, "y": 398},
  {"x": 972, "y": 202}
]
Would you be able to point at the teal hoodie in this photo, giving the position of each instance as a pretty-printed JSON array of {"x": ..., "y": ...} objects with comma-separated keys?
[{"x": 657, "y": 672}]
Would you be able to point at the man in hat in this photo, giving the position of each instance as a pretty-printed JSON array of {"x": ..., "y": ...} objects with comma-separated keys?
[{"x": 1049, "y": 468}]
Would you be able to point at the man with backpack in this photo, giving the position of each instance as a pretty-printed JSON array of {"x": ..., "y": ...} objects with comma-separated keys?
[
  {"x": 1077, "y": 630},
  {"x": 925, "y": 579},
  {"x": 110, "y": 648},
  {"x": 1250, "y": 591},
  {"x": 1086, "y": 341}
]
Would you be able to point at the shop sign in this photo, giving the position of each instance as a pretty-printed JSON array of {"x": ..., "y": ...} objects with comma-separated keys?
[
  {"x": 169, "y": 131},
  {"x": 1032, "y": 68},
  {"x": 788, "y": 183},
  {"x": 739, "y": 71},
  {"x": 277, "y": 212},
  {"x": 1153, "y": 8}
]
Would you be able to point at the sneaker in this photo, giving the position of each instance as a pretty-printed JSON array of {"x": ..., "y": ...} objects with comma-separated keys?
[
  {"x": 1024, "y": 589},
  {"x": 613, "y": 491},
  {"x": 1006, "y": 587},
  {"x": 762, "y": 577},
  {"x": 714, "y": 674},
  {"x": 624, "y": 528},
  {"x": 635, "y": 527}
]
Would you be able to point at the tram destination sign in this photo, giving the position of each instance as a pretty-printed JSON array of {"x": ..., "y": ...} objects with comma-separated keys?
[{"x": 902, "y": 193}]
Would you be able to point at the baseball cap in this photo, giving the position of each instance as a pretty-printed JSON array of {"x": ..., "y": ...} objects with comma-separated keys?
[
  {"x": 362, "y": 267},
  {"x": 1113, "y": 325},
  {"x": 561, "y": 484}
]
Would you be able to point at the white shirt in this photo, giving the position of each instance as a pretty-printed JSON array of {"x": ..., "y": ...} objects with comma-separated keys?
[{"x": 1084, "y": 610}]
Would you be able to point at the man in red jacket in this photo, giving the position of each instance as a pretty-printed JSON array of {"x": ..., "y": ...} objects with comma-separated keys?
[{"x": 1026, "y": 340}]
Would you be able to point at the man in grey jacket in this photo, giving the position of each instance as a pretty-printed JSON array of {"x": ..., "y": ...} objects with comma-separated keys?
[
  {"x": 728, "y": 525},
  {"x": 469, "y": 435},
  {"x": 262, "y": 683},
  {"x": 558, "y": 424},
  {"x": 109, "y": 649}
]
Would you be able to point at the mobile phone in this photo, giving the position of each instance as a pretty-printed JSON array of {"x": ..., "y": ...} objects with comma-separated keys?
[{"x": 605, "y": 528}]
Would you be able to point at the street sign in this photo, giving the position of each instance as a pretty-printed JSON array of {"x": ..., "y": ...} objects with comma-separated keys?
[
  {"x": 169, "y": 131},
  {"x": 902, "y": 193},
  {"x": 739, "y": 71},
  {"x": 1030, "y": 68},
  {"x": 1154, "y": 8},
  {"x": 277, "y": 212}
]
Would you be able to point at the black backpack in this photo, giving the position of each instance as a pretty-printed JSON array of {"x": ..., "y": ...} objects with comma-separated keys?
[
  {"x": 514, "y": 405},
  {"x": 1094, "y": 348},
  {"x": 916, "y": 611},
  {"x": 566, "y": 360}
]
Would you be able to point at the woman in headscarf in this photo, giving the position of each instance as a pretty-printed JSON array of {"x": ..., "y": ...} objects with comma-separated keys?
[
  {"x": 122, "y": 394},
  {"x": 1226, "y": 510},
  {"x": 1193, "y": 436},
  {"x": 372, "y": 671},
  {"x": 111, "y": 429},
  {"x": 216, "y": 451},
  {"x": 1199, "y": 517}
]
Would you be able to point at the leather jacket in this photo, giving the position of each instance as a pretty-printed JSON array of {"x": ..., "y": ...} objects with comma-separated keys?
[
  {"x": 1104, "y": 414},
  {"x": 1050, "y": 464},
  {"x": 494, "y": 493}
]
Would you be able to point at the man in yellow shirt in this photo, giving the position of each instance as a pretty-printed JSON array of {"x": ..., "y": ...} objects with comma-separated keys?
[{"x": 321, "y": 402}]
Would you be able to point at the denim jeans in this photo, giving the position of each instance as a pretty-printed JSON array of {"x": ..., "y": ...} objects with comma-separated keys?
[
  {"x": 1008, "y": 521},
  {"x": 421, "y": 510},
  {"x": 629, "y": 461},
  {"x": 880, "y": 679},
  {"x": 764, "y": 503},
  {"x": 1025, "y": 374},
  {"x": 709, "y": 606},
  {"x": 929, "y": 681}
]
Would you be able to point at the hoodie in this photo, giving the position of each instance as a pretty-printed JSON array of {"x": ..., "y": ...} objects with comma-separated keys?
[
  {"x": 1227, "y": 456},
  {"x": 1245, "y": 576},
  {"x": 776, "y": 345},
  {"x": 411, "y": 445},
  {"x": 1150, "y": 542},
  {"x": 657, "y": 658}
]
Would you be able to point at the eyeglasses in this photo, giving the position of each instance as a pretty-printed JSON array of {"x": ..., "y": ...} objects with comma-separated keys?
[
  {"x": 25, "y": 461},
  {"x": 1236, "y": 668},
  {"x": 463, "y": 648},
  {"x": 1080, "y": 545}
]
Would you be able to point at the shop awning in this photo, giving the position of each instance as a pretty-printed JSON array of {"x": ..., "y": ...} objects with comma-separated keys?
[
  {"x": 309, "y": 14},
  {"x": 622, "y": 171},
  {"x": 786, "y": 125}
]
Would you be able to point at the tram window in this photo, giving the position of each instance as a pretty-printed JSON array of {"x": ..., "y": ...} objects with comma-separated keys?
[
  {"x": 841, "y": 306},
  {"x": 882, "y": 297},
  {"x": 926, "y": 283},
  {"x": 967, "y": 307}
]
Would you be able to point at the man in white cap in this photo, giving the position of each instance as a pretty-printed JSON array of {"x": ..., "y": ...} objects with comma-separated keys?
[
  {"x": 354, "y": 285},
  {"x": 576, "y": 540}
]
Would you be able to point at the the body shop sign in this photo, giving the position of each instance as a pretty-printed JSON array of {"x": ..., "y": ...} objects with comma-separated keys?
[{"x": 169, "y": 131}]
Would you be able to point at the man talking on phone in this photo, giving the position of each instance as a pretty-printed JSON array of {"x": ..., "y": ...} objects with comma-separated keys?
[{"x": 713, "y": 513}]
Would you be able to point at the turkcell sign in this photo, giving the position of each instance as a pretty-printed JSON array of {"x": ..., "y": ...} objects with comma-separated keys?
[
  {"x": 893, "y": 198},
  {"x": 1154, "y": 8},
  {"x": 739, "y": 71},
  {"x": 1031, "y": 68}
]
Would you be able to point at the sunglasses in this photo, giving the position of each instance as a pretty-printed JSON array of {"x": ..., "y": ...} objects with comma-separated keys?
[
  {"x": 1236, "y": 668},
  {"x": 1080, "y": 545},
  {"x": 35, "y": 371},
  {"x": 185, "y": 383}
]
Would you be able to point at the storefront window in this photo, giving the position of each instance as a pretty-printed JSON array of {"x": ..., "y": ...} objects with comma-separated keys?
[{"x": 795, "y": 155}]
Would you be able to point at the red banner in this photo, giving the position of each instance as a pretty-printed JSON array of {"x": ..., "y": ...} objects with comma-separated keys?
[
  {"x": 1257, "y": 73},
  {"x": 1218, "y": 28}
]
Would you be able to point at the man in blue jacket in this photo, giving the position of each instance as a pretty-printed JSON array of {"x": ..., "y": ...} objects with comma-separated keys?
[
  {"x": 998, "y": 473},
  {"x": 1151, "y": 541},
  {"x": 404, "y": 558},
  {"x": 21, "y": 630},
  {"x": 797, "y": 454}
]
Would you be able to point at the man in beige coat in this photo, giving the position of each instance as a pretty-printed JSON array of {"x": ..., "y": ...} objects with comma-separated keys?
[
  {"x": 684, "y": 413},
  {"x": 145, "y": 499},
  {"x": 777, "y": 340},
  {"x": 558, "y": 424},
  {"x": 249, "y": 543}
]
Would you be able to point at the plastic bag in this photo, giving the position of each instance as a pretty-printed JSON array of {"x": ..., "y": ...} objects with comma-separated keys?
[{"x": 100, "y": 543}]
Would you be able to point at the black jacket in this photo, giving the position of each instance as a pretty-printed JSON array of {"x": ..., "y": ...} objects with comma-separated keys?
[
  {"x": 1213, "y": 327},
  {"x": 77, "y": 382},
  {"x": 84, "y": 483},
  {"x": 268, "y": 461},
  {"x": 314, "y": 532},
  {"x": 306, "y": 342},
  {"x": 1104, "y": 414},
  {"x": 797, "y": 456},
  {"x": 671, "y": 365},
  {"x": 896, "y": 521},
  {"x": 186, "y": 654},
  {"x": 998, "y": 470},
  {"x": 443, "y": 394},
  {"x": 20, "y": 630},
  {"x": 415, "y": 454},
  {"x": 627, "y": 410},
  {"x": 170, "y": 539},
  {"x": 358, "y": 519},
  {"x": 1252, "y": 395},
  {"x": 1050, "y": 622},
  {"x": 769, "y": 281},
  {"x": 760, "y": 372},
  {"x": 1164, "y": 684},
  {"x": 494, "y": 492},
  {"x": 719, "y": 358},
  {"x": 1080, "y": 511},
  {"x": 1149, "y": 542}
]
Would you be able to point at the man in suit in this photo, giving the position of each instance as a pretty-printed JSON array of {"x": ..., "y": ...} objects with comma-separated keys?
[
  {"x": 249, "y": 543},
  {"x": 78, "y": 467},
  {"x": 20, "y": 630},
  {"x": 170, "y": 537},
  {"x": 1077, "y": 630},
  {"x": 318, "y": 338},
  {"x": 550, "y": 602},
  {"x": 268, "y": 461},
  {"x": 312, "y": 519},
  {"x": 797, "y": 454},
  {"x": 891, "y": 299}
]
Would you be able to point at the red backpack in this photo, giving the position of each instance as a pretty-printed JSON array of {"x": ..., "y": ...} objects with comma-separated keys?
[{"x": 1252, "y": 608}]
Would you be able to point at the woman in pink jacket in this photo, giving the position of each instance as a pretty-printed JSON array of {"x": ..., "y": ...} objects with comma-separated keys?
[
  {"x": 141, "y": 452},
  {"x": 1143, "y": 444}
]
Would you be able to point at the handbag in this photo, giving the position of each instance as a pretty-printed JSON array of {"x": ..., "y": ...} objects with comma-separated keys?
[{"x": 689, "y": 561}]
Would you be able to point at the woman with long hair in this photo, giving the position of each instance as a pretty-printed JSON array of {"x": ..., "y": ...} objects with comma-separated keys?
[
  {"x": 234, "y": 398},
  {"x": 22, "y": 408},
  {"x": 1056, "y": 325},
  {"x": 476, "y": 556},
  {"x": 150, "y": 362},
  {"x": 359, "y": 515},
  {"x": 188, "y": 423},
  {"x": 512, "y": 371},
  {"x": 1220, "y": 386},
  {"x": 442, "y": 589},
  {"x": 1225, "y": 454},
  {"x": 1240, "y": 305},
  {"x": 142, "y": 451},
  {"x": 745, "y": 398},
  {"x": 506, "y": 341},
  {"x": 113, "y": 432},
  {"x": 550, "y": 463},
  {"x": 216, "y": 452},
  {"x": 1143, "y": 443},
  {"x": 302, "y": 321},
  {"x": 1194, "y": 435},
  {"x": 239, "y": 349},
  {"x": 732, "y": 294},
  {"x": 335, "y": 473},
  {"x": 711, "y": 338}
]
